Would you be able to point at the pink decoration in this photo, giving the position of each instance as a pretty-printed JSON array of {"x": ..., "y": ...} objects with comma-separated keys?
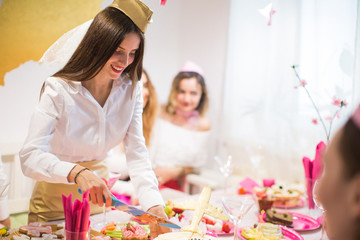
[
  {"x": 268, "y": 182},
  {"x": 303, "y": 83},
  {"x": 76, "y": 216},
  {"x": 329, "y": 118},
  {"x": 163, "y": 2},
  {"x": 336, "y": 101},
  {"x": 190, "y": 66},
  {"x": 313, "y": 170},
  {"x": 314, "y": 121},
  {"x": 248, "y": 184},
  {"x": 268, "y": 12}
]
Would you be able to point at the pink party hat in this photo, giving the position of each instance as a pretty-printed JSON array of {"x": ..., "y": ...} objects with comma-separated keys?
[{"x": 190, "y": 66}]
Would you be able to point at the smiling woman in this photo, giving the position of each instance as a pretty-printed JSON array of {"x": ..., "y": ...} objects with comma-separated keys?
[{"x": 89, "y": 106}]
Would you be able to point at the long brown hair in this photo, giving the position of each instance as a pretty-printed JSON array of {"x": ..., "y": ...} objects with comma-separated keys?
[
  {"x": 350, "y": 149},
  {"x": 149, "y": 111},
  {"x": 106, "y": 32},
  {"x": 170, "y": 106}
]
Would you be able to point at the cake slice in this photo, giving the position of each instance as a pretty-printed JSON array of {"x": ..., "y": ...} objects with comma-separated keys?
[{"x": 281, "y": 218}]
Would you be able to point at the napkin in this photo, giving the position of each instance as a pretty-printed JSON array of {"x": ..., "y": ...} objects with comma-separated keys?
[
  {"x": 76, "y": 215},
  {"x": 248, "y": 184},
  {"x": 313, "y": 170}
]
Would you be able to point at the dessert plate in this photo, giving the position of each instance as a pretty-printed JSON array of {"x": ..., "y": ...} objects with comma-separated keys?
[
  {"x": 288, "y": 234},
  {"x": 302, "y": 222}
]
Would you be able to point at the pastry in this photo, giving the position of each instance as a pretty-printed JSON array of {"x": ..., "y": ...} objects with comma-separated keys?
[
  {"x": 35, "y": 229},
  {"x": 281, "y": 218}
]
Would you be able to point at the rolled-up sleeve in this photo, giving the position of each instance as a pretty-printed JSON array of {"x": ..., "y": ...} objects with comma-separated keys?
[
  {"x": 36, "y": 160},
  {"x": 140, "y": 169}
]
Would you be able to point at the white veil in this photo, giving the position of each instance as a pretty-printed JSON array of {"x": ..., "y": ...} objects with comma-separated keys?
[{"x": 59, "y": 53}]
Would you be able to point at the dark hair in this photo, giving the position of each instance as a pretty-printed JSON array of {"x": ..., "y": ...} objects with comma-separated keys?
[
  {"x": 349, "y": 147},
  {"x": 175, "y": 88},
  {"x": 106, "y": 32}
]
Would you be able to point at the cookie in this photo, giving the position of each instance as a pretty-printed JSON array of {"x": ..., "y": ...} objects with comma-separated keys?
[{"x": 35, "y": 229}]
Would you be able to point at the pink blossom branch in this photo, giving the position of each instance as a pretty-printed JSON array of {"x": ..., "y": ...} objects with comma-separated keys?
[{"x": 313, "y": 103}]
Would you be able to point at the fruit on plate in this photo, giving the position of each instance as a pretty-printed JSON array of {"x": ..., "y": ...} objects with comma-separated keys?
[
  {"x": 216, "y": 225},
  {"x": 263, "y": 231},
  {"x": 127, "y": 231},
  {"x": 171, "y": 211}
]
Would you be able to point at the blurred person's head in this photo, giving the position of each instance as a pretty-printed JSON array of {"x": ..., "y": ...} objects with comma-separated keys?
[
  {"x": 188, "y": 91},
  {"x": 150, "y": 106},
  {"x": 340, "y": 185}
]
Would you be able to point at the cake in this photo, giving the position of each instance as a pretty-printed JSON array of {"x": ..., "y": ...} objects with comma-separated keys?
[{"x": 281, "y": 218}]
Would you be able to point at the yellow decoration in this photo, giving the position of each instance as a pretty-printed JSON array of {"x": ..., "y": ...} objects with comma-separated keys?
[{"x": 28, "y": 28}]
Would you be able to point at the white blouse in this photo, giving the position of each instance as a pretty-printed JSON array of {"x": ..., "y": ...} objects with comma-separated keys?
[
  {"x": 172, "y": 145},
  {"x": 70, "y": 126}
]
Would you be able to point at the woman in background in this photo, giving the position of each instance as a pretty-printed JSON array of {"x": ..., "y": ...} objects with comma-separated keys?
[
  {"x": 117, "y": 160},
  {"x": 339, "y": 188},
  {"x": 181, "y": 132}
]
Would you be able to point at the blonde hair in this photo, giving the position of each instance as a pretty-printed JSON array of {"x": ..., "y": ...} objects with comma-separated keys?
[
  {"x": 149, "y": 111},
  {"x": 170, "y": 106}
]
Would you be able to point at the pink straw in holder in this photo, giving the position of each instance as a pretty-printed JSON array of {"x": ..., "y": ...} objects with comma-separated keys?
[{"x": 356, "y": 117}]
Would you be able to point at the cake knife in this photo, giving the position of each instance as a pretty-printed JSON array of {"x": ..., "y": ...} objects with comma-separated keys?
[{"x": 141, "y": 215}]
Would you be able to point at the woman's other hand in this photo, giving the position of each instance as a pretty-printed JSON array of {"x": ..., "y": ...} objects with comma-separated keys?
[
  {"x": 165, "y": 174},
  {"x": 156, "y": 229},
  {"x": 87, "y": 180}
]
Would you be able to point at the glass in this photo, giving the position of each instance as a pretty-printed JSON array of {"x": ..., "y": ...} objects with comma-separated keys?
[
  {"x": 77, "y": 235},
  {"x": 225, "y": 165},
  {"x": 256, "y": 155},
  {"x": 237, "y": 207},
  {"x": 318, "y": 204}
]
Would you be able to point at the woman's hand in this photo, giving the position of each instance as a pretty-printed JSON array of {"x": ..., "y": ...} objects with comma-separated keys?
[
  {"x": 87, "y": 180},
  {"x": 165, "y": 174},
  {"x": 156, "y": 229}
]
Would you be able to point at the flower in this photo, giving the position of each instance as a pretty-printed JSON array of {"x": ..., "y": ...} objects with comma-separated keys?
[{"x": 339, "y": 103}]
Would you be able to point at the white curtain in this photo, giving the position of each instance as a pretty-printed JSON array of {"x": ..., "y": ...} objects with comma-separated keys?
[{"x": 264, "y": 116}]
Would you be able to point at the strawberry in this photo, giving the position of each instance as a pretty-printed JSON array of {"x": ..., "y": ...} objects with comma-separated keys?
[
  {"x": 226, "y": 227},
  {"x": 180, "y": 216},
  {"x": 178, "y": 210},
  {"x": 130, "y": 227},
  {"x": 209, "y": 221}
]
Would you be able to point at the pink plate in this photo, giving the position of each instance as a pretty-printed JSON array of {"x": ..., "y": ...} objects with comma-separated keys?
[
  {"x": 301, "y": 203},
  {"x": 302, "y": 222},
  {"x": 288, "y": 234}
]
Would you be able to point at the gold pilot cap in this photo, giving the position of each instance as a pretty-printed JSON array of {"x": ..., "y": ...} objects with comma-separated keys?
[{"x": 136, "y": 10}]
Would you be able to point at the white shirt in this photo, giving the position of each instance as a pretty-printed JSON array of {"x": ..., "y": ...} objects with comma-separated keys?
[
  {"x": 172, "y": 145},
  {"x": 70, "y": 126},
  {"x": 4, "y": 207}
]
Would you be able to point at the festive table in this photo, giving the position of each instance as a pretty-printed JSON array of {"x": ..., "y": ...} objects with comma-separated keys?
[{"x": 249, "y": 220}]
